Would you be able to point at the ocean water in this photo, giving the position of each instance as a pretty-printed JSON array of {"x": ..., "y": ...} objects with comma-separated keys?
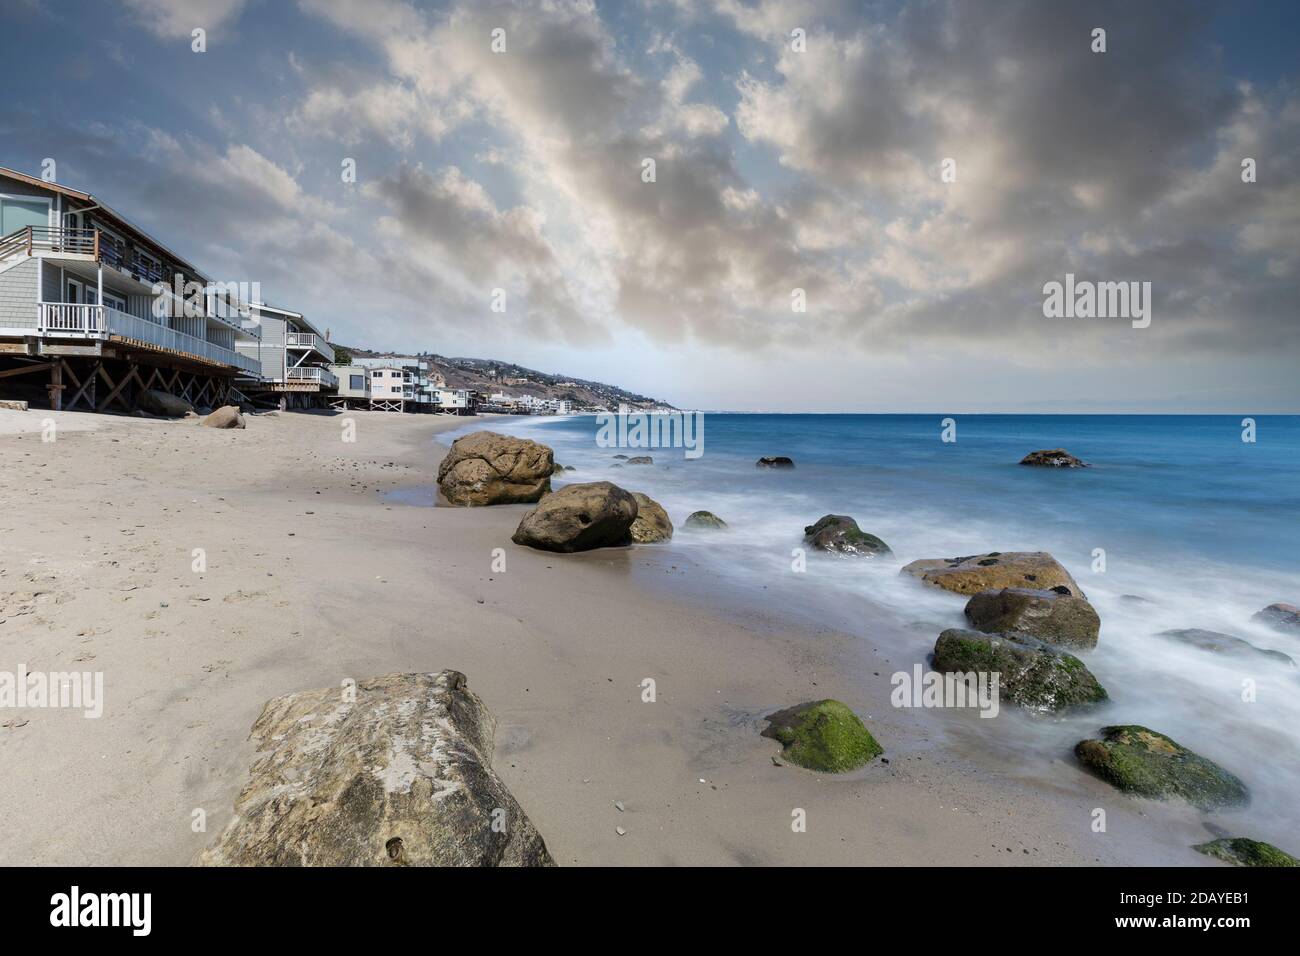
[{"x": 1197, "y": 523}]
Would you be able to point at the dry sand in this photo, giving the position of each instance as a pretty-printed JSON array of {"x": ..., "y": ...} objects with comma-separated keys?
[{"x": 314, "y": 576}]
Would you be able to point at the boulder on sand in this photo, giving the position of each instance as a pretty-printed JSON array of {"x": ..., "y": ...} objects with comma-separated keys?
[
  {"x": 824, "y": 735},
  {"x": 1243, "y": 851},
  {"x": 778, "y": 461},
  {"x": 1052, "y": 458},
  {"x": 997, "y": 569},
  {"x": 157, "y": 402},
  {"x": 705, "y": 520},
  {"x": 401, "y": 776},
  {"x": 1218, "y": 643},
  {"x": 651, "y": 523},
  {"x": 487, "y": 468},
  {"x": 840, "y": 534},
  {"x": 1280, "y": 617},
  {"x": 1141, "y": 761},
  {"x": 225, "y": 417},
  {"x": 1034, "y": 675},
  {"x": 579, "y": 517},
  {"x": 1047, "y": 615}
]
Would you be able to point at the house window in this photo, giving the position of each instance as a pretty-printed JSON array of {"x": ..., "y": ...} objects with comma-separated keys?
[
  {"x": 358, "y": 382},
  {"x": 20, "y": 212}
]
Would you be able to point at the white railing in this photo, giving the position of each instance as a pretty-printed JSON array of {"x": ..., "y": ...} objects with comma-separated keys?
[
  {"x": 309, "y": 340},
  {"x": 311, "y": 373},
  {"x": 69, "y": 318},
  {"x": 134, "y": 327}
]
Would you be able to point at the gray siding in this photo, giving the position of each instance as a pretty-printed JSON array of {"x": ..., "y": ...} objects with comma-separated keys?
[
  {"x": 272, "y": 349},
  {"x": 18, "y": 296}
]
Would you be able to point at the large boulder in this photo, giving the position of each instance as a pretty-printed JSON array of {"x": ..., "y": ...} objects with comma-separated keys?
[
  {"x": 1243, "y": 851},
  {"x": 1052, "y": 458},
  {"x": 1217, "y": 642},
  {"x": 1280, "y": 617},
  {"x": 157, "y": 402},
  {"x": 1141, "y": 761},
  {"x": 579, "y": 517},
  {"x": 401, "y": 776},
  {"x": 487, "y": 468},
  {"x": 225, "y": 417},
  {"x": 1047, "y": 615},
  {"x": 705, "y": 520},
  {"x": 775, "y": 461},
  {"x": 651, "y": 523},
  {"x": 840, "y": 534},
  {"x": 1034, "y": 675},
  {"x": 995, "y": 570},
  {"x": 824, "y": 735}
]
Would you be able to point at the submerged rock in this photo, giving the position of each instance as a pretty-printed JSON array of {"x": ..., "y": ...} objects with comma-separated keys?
[
  {"x": 704, "y": 520},
  {"x": 1034, "y": 675},
  {"x": 651, "y": 523},
  {"x": 1243, "y": 851},
  {"x": 225, "y": 417},
  {"x": 487, "y": 468},
  {"x": 641, "y": 460},
  {"x": 579, "y": 517},
  {"x": 840, "y": 534},
  {"x": 1141, "y": 761},
  {"x": 1052, "y": 458},
  {"x": 824, "y": 735},
  {"x": 995, "y": 570},
  {"x": 402, "y": 776},
  {"x": 779, "y": 461},
  {"x": 1218, "y": 643},
  {"x": 1048, "y": 615},
  {"x": 157, "y": 402},
  {"x": 1280, "y": 617}
]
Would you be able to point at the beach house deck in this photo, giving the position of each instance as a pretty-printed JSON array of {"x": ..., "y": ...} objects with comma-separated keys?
[{"x": 97, "y": 310}]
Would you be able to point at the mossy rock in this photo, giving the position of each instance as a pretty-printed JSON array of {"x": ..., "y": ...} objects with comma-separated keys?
[
  {"x": 1141, "y": 761},
  {"x": 705, "y": 520},
  {"x": 1242, "y": 851},
  {"x": 840, "y": 534},
  {"x": 1034, "y": 675},
  {"x": 824, "y": 735}
]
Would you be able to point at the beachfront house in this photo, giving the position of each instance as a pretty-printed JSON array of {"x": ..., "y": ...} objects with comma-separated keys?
[
  {"x": 453, "y": 401},
  {"x": 94, "y": 310},
  {"x": 353, "y": 386},
  {"x": 293, "y": 358},
  {"x": 390, "y": 388}
]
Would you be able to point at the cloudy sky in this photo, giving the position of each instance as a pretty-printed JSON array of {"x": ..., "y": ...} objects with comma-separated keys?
[{"x": 796, "y": 145}]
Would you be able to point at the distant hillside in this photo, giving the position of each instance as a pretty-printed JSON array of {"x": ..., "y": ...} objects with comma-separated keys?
[{"x": 491, "y": 375}]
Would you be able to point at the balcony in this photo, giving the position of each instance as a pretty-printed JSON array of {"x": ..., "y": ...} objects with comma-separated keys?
[
  {"x": 31, "y": 239},
  {"x": 99, "y": 321},
  {"x": 312, "y": 373},
  {"x": 309, "y": 341}
]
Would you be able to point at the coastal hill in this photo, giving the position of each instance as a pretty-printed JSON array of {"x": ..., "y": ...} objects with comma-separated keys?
[{"x": 491, "y": 375}]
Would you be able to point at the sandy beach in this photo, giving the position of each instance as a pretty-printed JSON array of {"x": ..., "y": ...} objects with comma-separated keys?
[{"x": 315, "y": 573}]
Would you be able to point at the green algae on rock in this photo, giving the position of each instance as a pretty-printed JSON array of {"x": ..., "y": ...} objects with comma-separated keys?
[
  {"x": 1243, "y": 851},
  {"x": 824, "y": 735},
  {"x": 705, "y": 520},
  {"x": 1141, "y": 761},
  {"x": 1032, "y": 674}
]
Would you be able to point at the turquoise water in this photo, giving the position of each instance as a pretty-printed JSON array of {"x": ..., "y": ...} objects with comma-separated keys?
[{"x": 1176, "y": 510}]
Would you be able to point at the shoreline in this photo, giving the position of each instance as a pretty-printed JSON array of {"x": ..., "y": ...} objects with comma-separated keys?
[{"x": 557, "y": 649}]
